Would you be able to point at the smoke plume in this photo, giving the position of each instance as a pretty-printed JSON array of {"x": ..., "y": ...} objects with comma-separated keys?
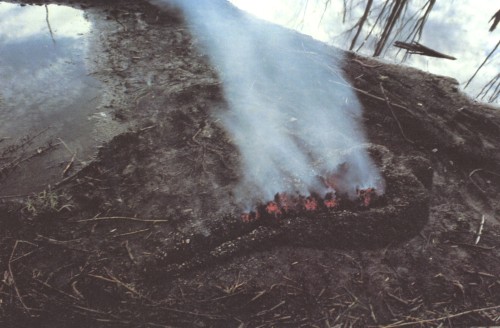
[{"x": 292, "y": 116}]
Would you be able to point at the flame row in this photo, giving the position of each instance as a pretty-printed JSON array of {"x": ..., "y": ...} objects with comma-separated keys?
[{"x": 285, "y": 205}]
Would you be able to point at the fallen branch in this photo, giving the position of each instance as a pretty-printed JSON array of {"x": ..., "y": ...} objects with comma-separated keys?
[{"x": 419, "y": 49}]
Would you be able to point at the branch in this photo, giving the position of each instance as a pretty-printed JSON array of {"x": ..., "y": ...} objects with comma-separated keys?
[{"x": 419, "y": 49}]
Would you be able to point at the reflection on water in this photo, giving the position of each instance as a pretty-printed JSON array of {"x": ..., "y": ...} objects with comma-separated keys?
[
  {"x": 44, "y": 83},
  {"x": 456, "y": 28},
  {"x": 42, "y": 65}
]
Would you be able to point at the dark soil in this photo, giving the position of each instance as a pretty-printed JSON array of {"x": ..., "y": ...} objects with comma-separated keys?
[{"x": 148, "y": 235}]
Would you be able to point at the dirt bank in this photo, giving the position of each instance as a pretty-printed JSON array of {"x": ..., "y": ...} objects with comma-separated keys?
[{"x": 148, "y": 235}]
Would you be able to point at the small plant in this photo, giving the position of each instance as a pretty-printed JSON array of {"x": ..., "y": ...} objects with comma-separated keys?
[
  {"x": 234, "y": 287},
  {"x": 46, "y": 201}
]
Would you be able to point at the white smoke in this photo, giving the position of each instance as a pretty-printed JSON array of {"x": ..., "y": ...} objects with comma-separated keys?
[{"x": 290, "y": 113}]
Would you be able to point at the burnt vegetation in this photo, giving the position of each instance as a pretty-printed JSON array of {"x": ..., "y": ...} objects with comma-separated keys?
[{"x": 146, "y": 235}]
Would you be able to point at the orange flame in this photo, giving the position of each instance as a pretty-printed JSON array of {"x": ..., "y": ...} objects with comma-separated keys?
[
  {"x": 310, "y": 204},
  {"x": 366, "y": 196},
  {"x": 330, "y": 201},
  {"x": 285, "y": 204},
  {"x": 273, "y": 209}
]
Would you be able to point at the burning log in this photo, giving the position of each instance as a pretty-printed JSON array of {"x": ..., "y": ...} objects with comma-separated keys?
[
  {"x": 284, "y": 205},
  {"x": 338, "y": 196},
  {"x": 366, "y": 220}
]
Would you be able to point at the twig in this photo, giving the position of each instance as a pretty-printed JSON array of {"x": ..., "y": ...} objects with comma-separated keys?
[
  {"x": 66, "y": 146},
  {"x": 73, "y": 153},
  {"x": 195, "y": 135},
  {"x": 147, "y": 128},
  {"x": 69, "y": 165},
  {"x": 475, "y": 246},
  {"x": 88, "y": 309},
  {"x": 271, "y": 309},
  {"x": 18, "y": 161},
  {"x": 131, "y": 233},
  {"x": 100, "y": 277},
  {"x": 76, "y": 291},
  {"x": 399, "y": 299},
  {"x": 23, "y": 256},
  {"x": 48, "y": 24},
  {"x": 13, "y": 196},
  {"x": 474, "y": 182},
  {"x": 55, "y": 241},
  {"x": 202, "y": 315},
  {"x": 67, "y": 179},
  {"x": 127, "y": 287},
  {"x": 55, "y": 289},
  {"x": 394, "y": 115},
  {"x": 480, "y": 230},
  {"x": 477, "y": 171},
  {"x": 9, "y": 266},
  {"x": 122, "y": 218},
  {"x": 129, "y": 251},
  {"x": 355, "y": 298},
  {"x": 366, "y": 65},
  {"x": 372, "y": 313},
  {"x": 450, "y": 316},
  {"x": 366, "y": 93}
]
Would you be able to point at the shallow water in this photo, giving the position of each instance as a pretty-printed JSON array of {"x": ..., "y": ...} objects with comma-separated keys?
[
  {"x": 44, "y": 77},
  {"x": 457, "y": 28},
  {"x": 46, "y": 89}
]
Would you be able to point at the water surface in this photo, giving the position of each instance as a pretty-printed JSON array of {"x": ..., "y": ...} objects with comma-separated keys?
[{"x": 46, "y": 89}]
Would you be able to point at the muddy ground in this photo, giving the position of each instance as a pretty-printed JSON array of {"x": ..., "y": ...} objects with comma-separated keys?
[{"x": 148, "y": 235}]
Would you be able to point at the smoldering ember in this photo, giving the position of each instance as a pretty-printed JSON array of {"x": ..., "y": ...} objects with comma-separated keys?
[{"x": 227, "y": 172}]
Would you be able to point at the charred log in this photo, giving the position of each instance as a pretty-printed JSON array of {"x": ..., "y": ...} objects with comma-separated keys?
[{"x": 401, "y": 214}]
